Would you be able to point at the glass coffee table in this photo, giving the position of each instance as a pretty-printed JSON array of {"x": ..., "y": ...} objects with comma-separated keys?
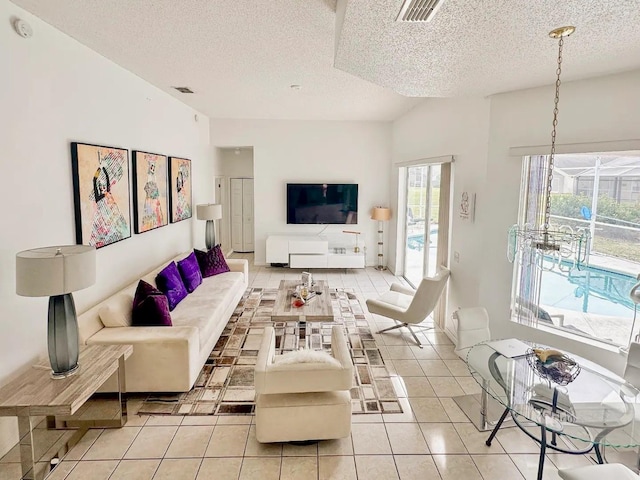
[{"x": 596, "y": 409}]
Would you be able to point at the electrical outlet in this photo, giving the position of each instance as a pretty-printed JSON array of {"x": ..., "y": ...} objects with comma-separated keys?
[{"x": 456, "y": 257}]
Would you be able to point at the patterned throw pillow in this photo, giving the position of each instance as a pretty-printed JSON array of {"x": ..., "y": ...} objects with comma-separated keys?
[
  {"x": 190, "y": 272},
  {"x": 170, "y": 283},
  {"x": 211, "y": 262},
  {"x": 150, "y": 307}
]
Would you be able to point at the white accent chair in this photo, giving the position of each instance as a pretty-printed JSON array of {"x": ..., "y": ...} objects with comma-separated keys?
[
  {"x": 632, "y": 370},
  {"x": 605, "y": 471},
  {"x": 472, "y": 328},
  {"x": 408, "y": 306},
  {"x": 303, "y": 401}
]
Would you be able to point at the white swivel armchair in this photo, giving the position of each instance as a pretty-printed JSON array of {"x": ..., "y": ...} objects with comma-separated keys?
[
  {"x": 303, "y": 395},
  {"x": 408, "y": 306},
  {"x": 472, "y": 328}
]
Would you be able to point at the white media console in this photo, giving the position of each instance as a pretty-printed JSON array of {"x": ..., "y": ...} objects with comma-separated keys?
[{"x": 312, "y": 251}]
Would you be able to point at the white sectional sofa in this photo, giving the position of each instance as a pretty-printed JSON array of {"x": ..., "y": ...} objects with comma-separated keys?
[{"x": 169, "y": 359}]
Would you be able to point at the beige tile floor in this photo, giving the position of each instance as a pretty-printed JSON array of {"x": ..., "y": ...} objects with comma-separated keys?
[{"x": 432, "y": 439}]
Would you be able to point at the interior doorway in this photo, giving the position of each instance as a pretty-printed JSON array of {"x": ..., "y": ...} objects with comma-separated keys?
[{"x": 238, "y": 223}]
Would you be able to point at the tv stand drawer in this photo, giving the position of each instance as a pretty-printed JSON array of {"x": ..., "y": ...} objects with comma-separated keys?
[{"x": 308, "y": 261}]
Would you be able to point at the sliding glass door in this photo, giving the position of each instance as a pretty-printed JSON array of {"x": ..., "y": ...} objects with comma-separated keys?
[{"x": 422, "y": 222}]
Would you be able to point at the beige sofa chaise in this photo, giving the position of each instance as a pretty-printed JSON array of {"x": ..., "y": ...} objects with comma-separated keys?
[{"x": 168, "y": 359}]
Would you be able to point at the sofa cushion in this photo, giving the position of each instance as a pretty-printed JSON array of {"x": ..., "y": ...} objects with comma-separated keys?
[
  {"x": 116, "y": 312},
  {"x": 205, "y": 307},
  {"x": 170, "y": 283},
  {"x": 211, "y": 262},
  {"x": 150, "y": 307},
  {"x": 190, "y": 272}
]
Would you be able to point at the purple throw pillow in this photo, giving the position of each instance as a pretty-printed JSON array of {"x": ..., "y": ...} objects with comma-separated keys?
[
  {"x": 170, "y": 283},
  {"x": 211, "y": 262},
  {"x": 150, "y": 307},
  {"x": 190, "y": 272}
]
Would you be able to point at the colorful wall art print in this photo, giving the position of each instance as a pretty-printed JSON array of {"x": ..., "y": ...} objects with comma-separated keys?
[
  {"x": 101, "y": 194},
  {"x": 180, "y": 197},
  {"x": 150, "y": 199}
]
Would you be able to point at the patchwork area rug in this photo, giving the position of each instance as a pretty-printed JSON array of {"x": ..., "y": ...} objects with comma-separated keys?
[{"x": 225, "y": 383}]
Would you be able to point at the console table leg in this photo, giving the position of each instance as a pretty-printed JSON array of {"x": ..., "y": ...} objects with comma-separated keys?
[
  {"x": 122, "y": 391},
  {"x": 27, "y": 448}
]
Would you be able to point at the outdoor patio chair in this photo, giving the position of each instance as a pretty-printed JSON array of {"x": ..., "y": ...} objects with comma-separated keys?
[{"x": 410, "y": 307}]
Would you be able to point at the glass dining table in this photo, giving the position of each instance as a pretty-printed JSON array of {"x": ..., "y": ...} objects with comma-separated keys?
[{"x": 595, "y": 410}]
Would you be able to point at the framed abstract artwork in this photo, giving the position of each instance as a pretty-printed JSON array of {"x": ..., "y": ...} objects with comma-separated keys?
[
  {"x": 179, "y": 189},
  {"x": 150, "y": 194},
  {"x": 101, "y": 194}
]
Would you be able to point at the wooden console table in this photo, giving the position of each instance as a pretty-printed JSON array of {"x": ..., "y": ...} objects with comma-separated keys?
[{"x": 35, "y": 394}]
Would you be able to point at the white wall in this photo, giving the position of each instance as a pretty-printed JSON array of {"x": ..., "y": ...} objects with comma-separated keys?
[
  {"x": 439, "y": 127},
  {"x": 54, "y": 90},
  {"x": 295, "y": 151}
]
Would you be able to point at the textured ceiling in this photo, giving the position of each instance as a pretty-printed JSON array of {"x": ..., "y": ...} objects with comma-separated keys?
[
  {"x": 483, "y": 47},
  {"x": 241, "y": 56}
]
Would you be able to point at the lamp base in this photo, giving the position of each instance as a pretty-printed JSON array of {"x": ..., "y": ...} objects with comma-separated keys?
[
  {"x": 63, "y": 336},
  {"x": 58, "y": 376},
  {"x": 210, "y": 235}
]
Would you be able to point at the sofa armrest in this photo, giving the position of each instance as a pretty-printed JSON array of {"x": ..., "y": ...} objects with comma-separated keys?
[
  {"x": 164, "y": 359},
  {"x": 265, "y": 358},
  {"x": 239, "y": 265},
  {"x": 396, "y": 287},
  {"x": 339, "y": 348}
]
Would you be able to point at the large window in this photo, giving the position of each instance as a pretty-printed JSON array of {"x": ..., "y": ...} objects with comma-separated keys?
[{"x": 600, "y": 194}]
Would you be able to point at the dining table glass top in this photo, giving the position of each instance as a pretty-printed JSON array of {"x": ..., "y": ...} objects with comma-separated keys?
[{"x": 598, "y": 406}]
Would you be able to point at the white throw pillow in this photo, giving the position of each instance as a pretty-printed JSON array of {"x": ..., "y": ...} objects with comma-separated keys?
[
  {"x": 306, "y": 356},
  {"x": 117, "y": 311}
]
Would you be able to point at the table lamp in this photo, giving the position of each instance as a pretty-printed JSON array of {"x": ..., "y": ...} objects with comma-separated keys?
[
  {"x": 381, "y": 214},
  {"x": 209, "y": 212},
  {"x": 56, "y": 272}
]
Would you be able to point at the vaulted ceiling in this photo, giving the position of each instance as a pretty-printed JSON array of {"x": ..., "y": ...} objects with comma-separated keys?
[{"x": 350, "y": 58}]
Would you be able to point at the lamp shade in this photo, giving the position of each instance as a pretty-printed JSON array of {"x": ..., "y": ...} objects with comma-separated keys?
[
  {"x": 381, "y": 213},
  {"x": 49, "y": 271},
  {"x": 209, "y": 211}
]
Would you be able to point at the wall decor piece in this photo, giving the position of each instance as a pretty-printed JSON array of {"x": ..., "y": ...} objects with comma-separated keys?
[
  {"x": 101, "y": 194},
  {"x": 467, "y": 207},
  {"x": 150, "y": 199},
  {"x": 180, "y": 196}
]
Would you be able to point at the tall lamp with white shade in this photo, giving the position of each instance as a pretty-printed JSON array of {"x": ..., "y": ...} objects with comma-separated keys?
[
  {"x": 56, "y": 272},
  {"x": 209, "y": 212},
  {"x": 381, "y": 214}
]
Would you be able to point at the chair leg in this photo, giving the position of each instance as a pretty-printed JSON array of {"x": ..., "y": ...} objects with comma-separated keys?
[
  {"x": 403, "y": 325},
  {"x": 392, "y": 328},
  {"x": 414, "y": 335}
]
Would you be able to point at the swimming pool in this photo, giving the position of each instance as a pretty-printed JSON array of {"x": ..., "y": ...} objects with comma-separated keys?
[{"x": 589, "y": 290}]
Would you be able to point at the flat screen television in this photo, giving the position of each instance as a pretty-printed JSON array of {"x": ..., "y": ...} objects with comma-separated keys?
[{"x": 322, "y": 203}]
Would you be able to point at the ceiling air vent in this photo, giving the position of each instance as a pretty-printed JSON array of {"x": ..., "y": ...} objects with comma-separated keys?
[
  {"x": 184, "y": 89},
  {"x": 418, "y": 10}
]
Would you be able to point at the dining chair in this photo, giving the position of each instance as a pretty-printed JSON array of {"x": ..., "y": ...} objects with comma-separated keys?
[
  {"x": 472, "y": 328},
  {"x": 603, "y": 471},
  {"x": 410, "y": 307}
]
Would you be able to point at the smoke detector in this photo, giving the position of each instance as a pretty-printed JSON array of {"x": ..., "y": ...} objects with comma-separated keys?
[
  {"x": 22, "y": 28},
  {"x": 418, "y": 10}
]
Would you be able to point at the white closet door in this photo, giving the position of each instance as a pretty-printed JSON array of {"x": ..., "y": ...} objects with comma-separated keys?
[
  {"x": 247, "y": 215},
  {"x": 242, "y": 214},
  {"x": 236, "y": 214}
]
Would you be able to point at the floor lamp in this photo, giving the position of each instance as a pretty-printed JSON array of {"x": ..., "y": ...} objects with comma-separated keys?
[
  {"x": 381, "y": 214},
  {"x": 209, "y": 212},
  {"x": 55, "y": 272}
]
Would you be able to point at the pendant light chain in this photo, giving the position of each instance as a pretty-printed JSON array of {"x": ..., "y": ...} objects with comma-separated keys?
[{"x": 547, "y": 210}]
